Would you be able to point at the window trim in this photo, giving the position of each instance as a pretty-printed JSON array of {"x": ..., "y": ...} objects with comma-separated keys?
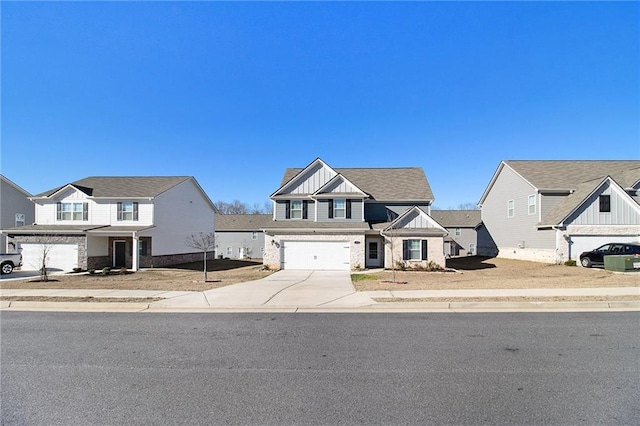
[
  {"x": 457, "y": 232},
  {"x": 296, "y": 206},
  {"x": 606, "y": 204},
  {"x": 530, "y": 205},
  {"x": 254, "y": 235},
  {"x": 23, "y": 219},
  {"x": 77, "y": 211},
  {"x": 511, "y": 208},
  {"x": 342, "y": 209},
  {"x": 422, "y": 250}
]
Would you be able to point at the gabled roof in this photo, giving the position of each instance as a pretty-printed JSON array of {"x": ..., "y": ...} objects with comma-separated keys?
[
  {"x": 121, "y": 187},
  {"x": 383, "y": 184},
  {"x": 398, "y": 226},
  {"x": 337, "y": 179},
  {"x": 16, "y": 186},
  {"x": 242, "y": 222},
  {"x": 572, "y": 202},
  {"x": 457, "y": 218},
  {"x": 566, "y": 175}
]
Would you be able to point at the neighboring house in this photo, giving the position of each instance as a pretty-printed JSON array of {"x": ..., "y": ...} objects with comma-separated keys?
[
  {"x": 128, "y": 222},
  {"x": 343, "y": 219},
  {"x": 16, "y": 210},
  {"x": 467, "y": 234},
  {"x": 551, "y": 211},
  {"x": 240, "y": 236}
]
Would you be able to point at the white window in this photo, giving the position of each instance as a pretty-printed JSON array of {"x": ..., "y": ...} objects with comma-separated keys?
[
  {"x": 340, "y": 208},
  {"x": 20, "y": 218},
  {"x": 254, "y": 235},
  {"x": 458, "y": 231},
  {"x": 128, "y": 210},
  {"x": 229, "y": 251},
  {"x": 296, "y": 209},
  {"x": 510, "y": 208},
  {"x": 532, "y": 204},
  {"x": 415, "y": 250},
  {"x": 72, "y": 211}
]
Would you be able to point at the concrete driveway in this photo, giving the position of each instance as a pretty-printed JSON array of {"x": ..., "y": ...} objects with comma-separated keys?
[{"x": 281, "y": 289}]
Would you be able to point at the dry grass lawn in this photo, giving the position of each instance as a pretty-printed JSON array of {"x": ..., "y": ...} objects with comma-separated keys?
[
  {"x": 187, "y": 277},
  {"x": 485, "y": 273}
]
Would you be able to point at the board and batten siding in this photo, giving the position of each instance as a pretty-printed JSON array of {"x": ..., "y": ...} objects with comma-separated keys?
[
  {"x": 622, "y": 211},
  {"x": 179, "y": 212},
  {"x": 511, "y": 232},
  {"x": 311, "y": 180}
]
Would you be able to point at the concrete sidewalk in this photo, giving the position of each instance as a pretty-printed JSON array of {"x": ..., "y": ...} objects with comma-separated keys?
[{"x": 297, "y": 291}]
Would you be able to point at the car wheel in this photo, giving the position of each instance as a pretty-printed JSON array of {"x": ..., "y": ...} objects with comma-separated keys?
[
  {"x": 7, "y": 268},
  {"x": 586, "y": 262}
]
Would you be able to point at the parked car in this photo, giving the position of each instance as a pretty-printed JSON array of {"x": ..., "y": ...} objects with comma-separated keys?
[
  {"x": 596, "y": 257},
  {"x": 10, "y": 261}
]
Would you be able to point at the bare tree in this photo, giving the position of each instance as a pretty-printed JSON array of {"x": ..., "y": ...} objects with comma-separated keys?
[
  {"x": 268, "y": 207},
  {"x": 203, "y": 242},
  {"x": 390, "y": 240},
  {"x": 238, "y": 207}
]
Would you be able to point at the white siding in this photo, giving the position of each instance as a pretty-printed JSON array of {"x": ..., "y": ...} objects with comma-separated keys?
[
  {"x": 623, "y": 210},
  {"x": 179, "y": 212}
]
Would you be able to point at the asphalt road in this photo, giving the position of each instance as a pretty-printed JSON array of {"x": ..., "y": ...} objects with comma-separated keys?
[{"x": 296, "y": 369}]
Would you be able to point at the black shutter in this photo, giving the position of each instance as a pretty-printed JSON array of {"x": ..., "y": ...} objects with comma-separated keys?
[
  {"x": 85, "y": 211},
  {"x": 405, "y": 250},
  {"x": 135, "y": 211},
  {"x": 59, "y": 210},
  {"x": 287, "y": 213},
  {"x": 348, "y": 213},
  {"x": 119, "y": 211},
  {"x": 305, "y": 209},
  {"x": 424, "y": 249},
  {"x": 330, "y": 208}
]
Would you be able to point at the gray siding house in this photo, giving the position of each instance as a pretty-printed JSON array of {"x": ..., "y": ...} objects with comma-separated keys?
[
  {"x": 16, "y": 210},
  {"x": 352, "y": 218},
  {"x": 551, "y": 211},
  {"x": 240, "y": 236},
  {"x": 467, "y": 234}
]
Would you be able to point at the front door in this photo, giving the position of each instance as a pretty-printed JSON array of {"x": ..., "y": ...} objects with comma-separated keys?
[
  {"x": 374, "y": 257},
  {"x": 119, "y": 254}
]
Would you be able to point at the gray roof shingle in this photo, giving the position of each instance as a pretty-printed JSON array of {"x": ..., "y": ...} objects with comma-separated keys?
[
  {"x": 384, "y": 184},
  {"x": 123, "y": 186},
  {"x": 457, "y": 218},
  {"x": 242, "y": 222}
]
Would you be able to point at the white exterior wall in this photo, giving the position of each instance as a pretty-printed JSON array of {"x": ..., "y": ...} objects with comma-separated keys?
[
  {"x": 178, "y": 213},
  {"x": 101, "y": 212},
  {"x": 97, "y": 246},
  {"x": 563, "y": 237},
  {"x": 272, "y": 252}
]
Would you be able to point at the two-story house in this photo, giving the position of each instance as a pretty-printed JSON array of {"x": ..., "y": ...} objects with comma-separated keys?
[
  {"x": 352, "y": 218},
  {"x": 128, "y": 222},
  {"x": 467, "y": 234},
  {"x": 551, "y": 211},
  {"x": 240, "y": 236},
  {"x": 16, "y": 210}
]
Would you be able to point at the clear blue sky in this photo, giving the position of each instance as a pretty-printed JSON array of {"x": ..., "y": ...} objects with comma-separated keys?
[{"x": 233, "y": 93}]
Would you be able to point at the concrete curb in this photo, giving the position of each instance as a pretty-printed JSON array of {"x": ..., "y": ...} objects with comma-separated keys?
[{"x": 390, "y": 307}]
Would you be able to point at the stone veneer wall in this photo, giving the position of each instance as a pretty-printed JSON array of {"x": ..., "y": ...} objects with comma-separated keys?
[
  {"x": 80, "y": 240},
  {"x": 435, "y": 251},
  {"x": 176, "y": 259},
  {"x": 272, "y": 252}
]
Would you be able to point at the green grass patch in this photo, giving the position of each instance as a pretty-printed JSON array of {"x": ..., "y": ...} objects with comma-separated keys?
[{"x": 364, "y": 277}]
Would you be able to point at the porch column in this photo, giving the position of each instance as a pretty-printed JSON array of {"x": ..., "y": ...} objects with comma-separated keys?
[{"x": 135, "y": 255}]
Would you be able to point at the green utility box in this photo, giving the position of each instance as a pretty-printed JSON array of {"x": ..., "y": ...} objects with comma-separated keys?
[{"x": 622, "y": 263}]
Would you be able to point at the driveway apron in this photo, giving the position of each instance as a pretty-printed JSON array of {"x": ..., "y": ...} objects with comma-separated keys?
[{"x": 286, "y": 289}]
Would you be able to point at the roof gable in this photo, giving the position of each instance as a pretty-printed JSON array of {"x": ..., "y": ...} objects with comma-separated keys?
[
  {"x": 381, "y": 184},
  {"x": 14, "y": 185},
  {"x": 414, "y": 218},
  {"x": 339, "y": 185},
  {"x": 306, "y": 181}
]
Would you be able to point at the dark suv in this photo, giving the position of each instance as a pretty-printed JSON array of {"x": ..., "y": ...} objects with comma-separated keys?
[{"x": 596, "y": 257}]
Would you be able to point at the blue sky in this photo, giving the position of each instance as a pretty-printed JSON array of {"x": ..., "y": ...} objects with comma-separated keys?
[{"x": 234, "y": 92}]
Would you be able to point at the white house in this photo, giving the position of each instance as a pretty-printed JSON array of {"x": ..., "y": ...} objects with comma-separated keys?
[{"x": 129, "y": 222}]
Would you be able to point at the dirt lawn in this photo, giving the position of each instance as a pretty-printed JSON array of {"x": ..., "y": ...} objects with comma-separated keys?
[
  {"x": 483, "y": 273},
  {"x": 187, "y": 277}
]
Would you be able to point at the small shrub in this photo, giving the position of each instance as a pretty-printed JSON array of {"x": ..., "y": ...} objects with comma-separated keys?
[
  {"x": 92, "y": 271},
  {"x": 570, "y": 263},
  {"x": 364, "y": 277},
  {"x": 123, "y": 270},
  {"x": 76, "y": 270},
  {"x": 106, "y": 270},
  {"x": 433, "y": 266},
  {"x": 401, "y": 265}
]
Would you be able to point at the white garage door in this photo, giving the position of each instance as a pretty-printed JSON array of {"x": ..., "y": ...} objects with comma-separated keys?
[
  {"x": 63, "y": 257},
  {"x": 584, "y": 243},
  {"x": 316, "y": 255}
]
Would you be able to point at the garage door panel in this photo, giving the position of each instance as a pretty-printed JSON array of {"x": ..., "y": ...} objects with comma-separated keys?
[
  {"x": 62, "y": 257},
  {"x": 316, "y": 255}
]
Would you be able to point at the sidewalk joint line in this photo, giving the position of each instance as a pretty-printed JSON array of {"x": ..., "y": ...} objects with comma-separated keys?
[{"x": 285, "y": 288}]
